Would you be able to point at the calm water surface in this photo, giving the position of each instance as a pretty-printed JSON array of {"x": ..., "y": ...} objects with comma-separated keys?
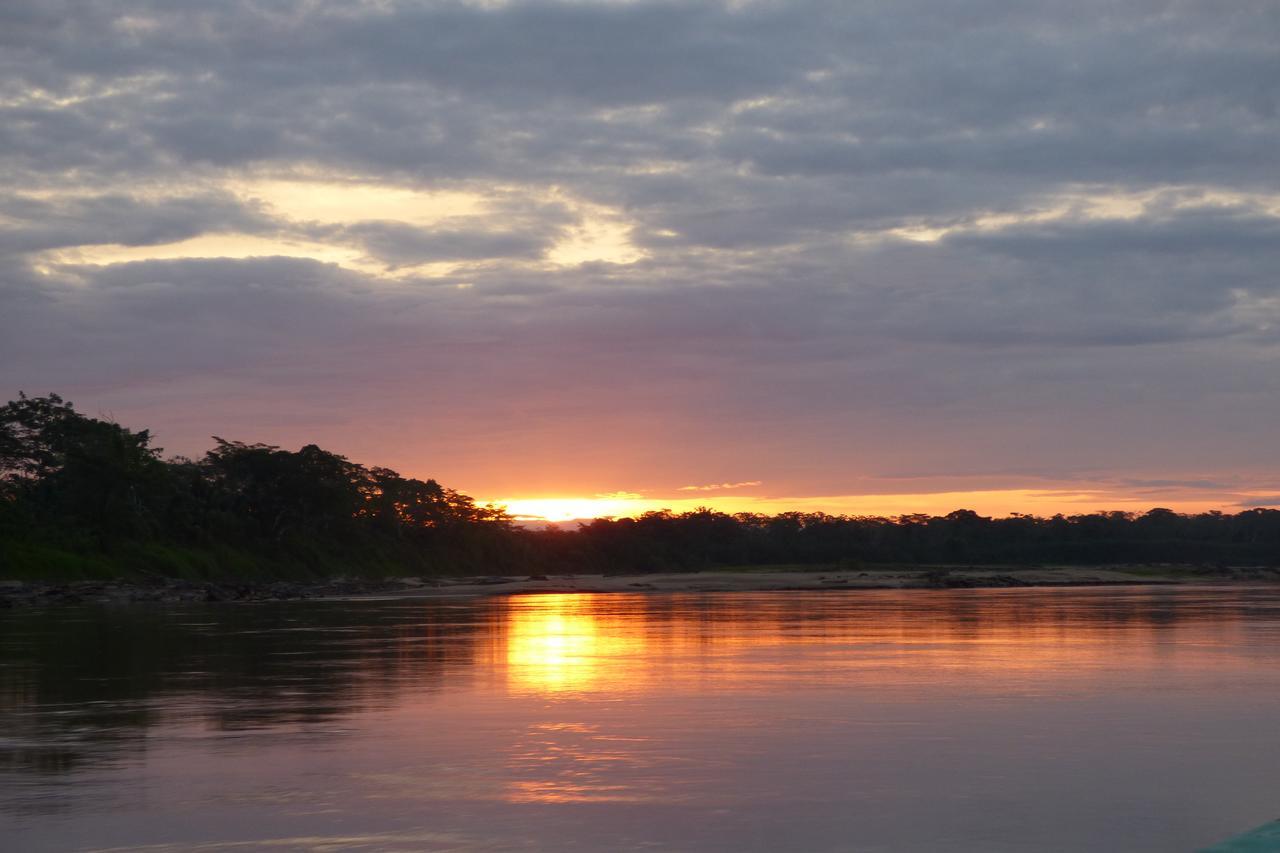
[{"x": 972, "y": 720}]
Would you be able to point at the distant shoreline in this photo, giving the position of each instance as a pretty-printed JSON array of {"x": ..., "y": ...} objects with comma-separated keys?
[
  {"x": 766, "y": 580},
  {"x": 19, "y": 594}
]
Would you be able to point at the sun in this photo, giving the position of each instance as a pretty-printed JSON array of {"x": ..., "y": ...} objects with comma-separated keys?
[{"x": 568, "y": 509}]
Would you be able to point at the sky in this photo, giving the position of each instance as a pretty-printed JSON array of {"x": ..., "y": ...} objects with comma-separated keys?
[{"x": 599, "y": 257}]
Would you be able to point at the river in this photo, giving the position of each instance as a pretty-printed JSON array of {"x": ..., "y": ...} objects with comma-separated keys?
[{"x": 1125, "y": 719}]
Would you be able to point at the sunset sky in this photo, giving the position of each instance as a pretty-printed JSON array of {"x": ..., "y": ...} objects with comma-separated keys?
[{"x": 600, "y": 257}]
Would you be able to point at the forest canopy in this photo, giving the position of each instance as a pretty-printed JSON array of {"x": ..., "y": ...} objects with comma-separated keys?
[{"x": 83, "y": 496}]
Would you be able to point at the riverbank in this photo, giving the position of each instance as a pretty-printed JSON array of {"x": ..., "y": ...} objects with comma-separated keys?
[
  {"x": 756, "y": 579},
  {"x": 765, "y": 580}
]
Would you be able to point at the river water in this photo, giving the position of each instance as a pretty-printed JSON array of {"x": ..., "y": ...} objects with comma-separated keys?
[{"x": 1125, "y": 719}]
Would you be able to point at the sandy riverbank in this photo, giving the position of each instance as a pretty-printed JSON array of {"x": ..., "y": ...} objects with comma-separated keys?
[
  {"x": 42, "y": 594},
  {"x": 766, "y": 580}
]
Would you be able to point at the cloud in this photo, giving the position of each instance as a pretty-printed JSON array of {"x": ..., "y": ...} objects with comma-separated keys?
[
  {"x": 31, "y": 223},
  {"x": 719, "y": 487},
  {"x": 398, "y": 244},
  {"x": 1260, "y": 501}
]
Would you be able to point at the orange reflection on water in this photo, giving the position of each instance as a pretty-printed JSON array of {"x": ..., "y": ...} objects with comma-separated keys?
[
  {"x": 574, "y": 763},
  {"x": 557, "y": 644},
  {"x": 599, "y": 668},
  {"x": 635, "y": 644}
]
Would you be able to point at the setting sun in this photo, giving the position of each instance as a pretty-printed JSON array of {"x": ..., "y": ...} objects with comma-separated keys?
[{"x": 568, "y": 509}]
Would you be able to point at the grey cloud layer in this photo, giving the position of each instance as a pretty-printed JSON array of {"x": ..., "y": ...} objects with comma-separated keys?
[
  {"x": 772, "y": 160},
  {"x": 34, "y": 224},
  {"x": 429, "y": 88}
]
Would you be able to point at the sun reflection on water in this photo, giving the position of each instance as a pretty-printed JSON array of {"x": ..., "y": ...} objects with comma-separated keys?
[
  {"x": 575, "y": 763},
  {"x": 560, "y": 647},
  {"x": 558, "y": 644},
  {"x": 594, "y": 670}
]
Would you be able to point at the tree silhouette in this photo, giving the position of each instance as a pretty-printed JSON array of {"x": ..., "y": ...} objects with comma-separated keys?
[{"x": 80, "y": 491}]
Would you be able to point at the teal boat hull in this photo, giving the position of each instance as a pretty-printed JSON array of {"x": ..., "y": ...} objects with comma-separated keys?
[{"x": 1264, "y": 839}]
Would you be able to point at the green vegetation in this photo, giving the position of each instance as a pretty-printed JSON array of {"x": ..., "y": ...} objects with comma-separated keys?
[{"x": 83, "y": 498}]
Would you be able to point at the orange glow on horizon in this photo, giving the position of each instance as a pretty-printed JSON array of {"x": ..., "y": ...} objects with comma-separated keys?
[{"x": 995, "y": 503}]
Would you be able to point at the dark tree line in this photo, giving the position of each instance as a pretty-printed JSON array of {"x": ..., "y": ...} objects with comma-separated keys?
[
  {"x": 91, "y": 487},
  {"x": 703, "y": 538},
  {"x": 80, "y": 494}
]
